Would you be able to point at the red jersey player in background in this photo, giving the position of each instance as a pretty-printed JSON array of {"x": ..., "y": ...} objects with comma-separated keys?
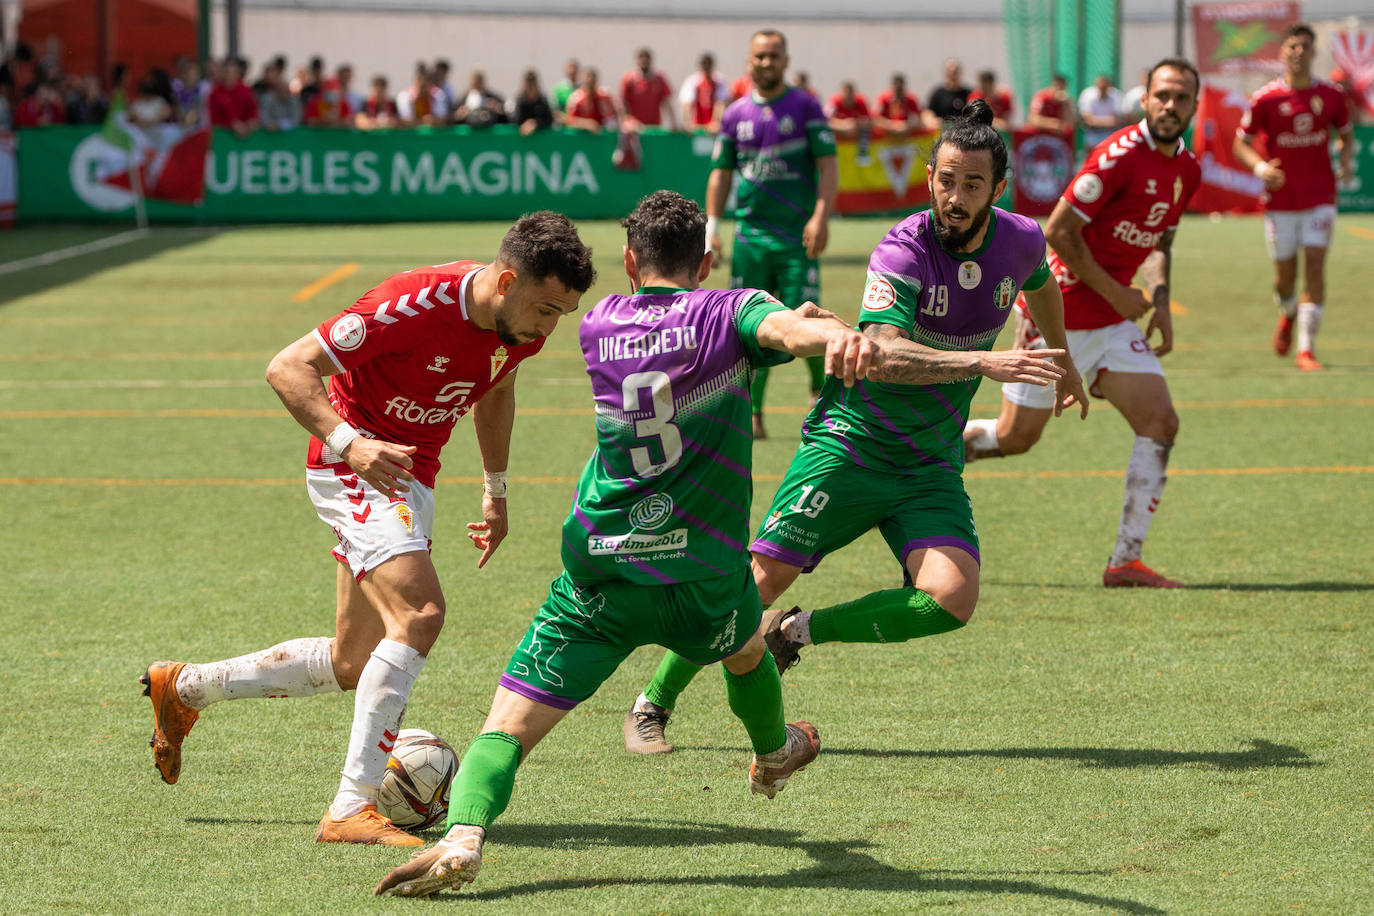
[
  {"x": 404, "y": 364},
  {"x": 1118, "y": 215},
  {"x": 1296, "y": 115}
]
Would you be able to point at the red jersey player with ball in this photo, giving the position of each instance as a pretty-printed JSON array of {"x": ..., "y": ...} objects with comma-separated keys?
[
  {"x": 404, "y": 364},
  {"x": 1296, "y": 115},
  {"x": 1117, "y": 216}
]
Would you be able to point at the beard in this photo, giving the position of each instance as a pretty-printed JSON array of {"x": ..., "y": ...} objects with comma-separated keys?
[
  {"x": 958, "y": 239},
  {"x": 1165, "y": 130},
  {"x": 767, "y": 81},
  {"x": 505, "y": 333}
]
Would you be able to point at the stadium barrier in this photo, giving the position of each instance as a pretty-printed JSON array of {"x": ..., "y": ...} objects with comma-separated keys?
[{"x": 77, "y": 174}]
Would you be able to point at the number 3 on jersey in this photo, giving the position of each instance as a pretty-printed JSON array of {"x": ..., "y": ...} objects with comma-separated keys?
[{"x": 659, "y": 426}]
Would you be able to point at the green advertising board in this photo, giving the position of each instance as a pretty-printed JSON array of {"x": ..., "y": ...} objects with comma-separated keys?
[
  {"x": 1358, "y": 192},
  {"x": 377, "y": 176}
]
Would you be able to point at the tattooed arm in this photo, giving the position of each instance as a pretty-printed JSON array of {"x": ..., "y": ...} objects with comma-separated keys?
[{"x": 906, "y": 362}]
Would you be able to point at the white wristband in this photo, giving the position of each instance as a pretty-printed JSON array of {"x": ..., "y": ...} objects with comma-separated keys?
[
  {"x": 494, "y": 484},
  {"x": 341, "y": 438},
  {"x": 1260, "y": 168},
  {"x": 712, "y": 229}
]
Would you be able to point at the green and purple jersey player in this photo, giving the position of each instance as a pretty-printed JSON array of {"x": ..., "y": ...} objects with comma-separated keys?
[
  {"x": 888, "y": 452},
  {"x": 654, "y": 548},
  {"x": 778, "y": 139}
]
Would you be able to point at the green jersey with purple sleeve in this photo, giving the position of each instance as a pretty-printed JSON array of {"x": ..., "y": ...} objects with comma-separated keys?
[
  {"x": 946, "y": 301},
  {"x": 774, "y": 145},
  {"x": 665, "y": 498}
]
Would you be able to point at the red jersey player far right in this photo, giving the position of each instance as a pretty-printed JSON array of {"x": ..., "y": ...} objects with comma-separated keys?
[
  {"x": 1296, "y": 114},
  {"x": 1118, "y": 215}
]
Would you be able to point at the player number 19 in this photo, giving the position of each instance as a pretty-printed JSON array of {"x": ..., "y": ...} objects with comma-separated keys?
[
  {"x": 659, "y": 426},
  {"x": 937, "y": 303},
  {"x": 818, "y": 500}
]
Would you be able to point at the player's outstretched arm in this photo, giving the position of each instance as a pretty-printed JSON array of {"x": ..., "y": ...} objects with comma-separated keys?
[
  {"x": 1064, "y": 232},
  {"x": 717, "y": 193},
  {"x": 1046, "y": 307},
  {"x": 297, "y": 375},
  {"x": 493, "y": 419},
  {"x": 905, "y": 362},
  {"x": 849, "y": 355}
]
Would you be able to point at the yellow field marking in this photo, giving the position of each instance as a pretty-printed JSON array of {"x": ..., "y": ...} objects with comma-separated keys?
[
  {"x": 1361, "y": 231},
  {"x": 124, "y": 413},
  {"x": 306, "y": 293},
  {"x": 563, "y": 480}
]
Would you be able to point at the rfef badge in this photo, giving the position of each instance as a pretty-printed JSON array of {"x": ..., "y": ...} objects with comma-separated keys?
[{"x": 498, "y": 360}]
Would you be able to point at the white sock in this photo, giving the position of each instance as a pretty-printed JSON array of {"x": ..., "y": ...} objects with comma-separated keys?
[
  {"x": 298, "y": 668},
  {"x": 1288, "y": 305},
  {"x": 380, "y": 704},
  {"x": 798, "y": 628},
  {"x": 980, "y": 440},
  {"x": 1145, "y": 478},
  {"x": 1309, "y": 322}
]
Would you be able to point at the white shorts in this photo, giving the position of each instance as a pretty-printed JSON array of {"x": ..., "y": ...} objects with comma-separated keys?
[
  {"x": 1287, "y": 230},
  {"x": 371, "y": 528},
  {"x": 1119, "y": 347}
]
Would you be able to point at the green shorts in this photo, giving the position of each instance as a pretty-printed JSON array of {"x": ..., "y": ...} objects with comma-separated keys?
[
  {"x": 583, "y": 633},
  {"x": 788, "y": 274},
  {"x": 825, "y": 501}
]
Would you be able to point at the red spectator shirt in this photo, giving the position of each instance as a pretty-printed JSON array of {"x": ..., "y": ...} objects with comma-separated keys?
[
  {"x": 1045, "y": 103},
  {"x": 741, "y": 87},
  {"x": 597, "y": 108},
  {"x": 230, "y": 105},
  {"x": 1000, "y": 102},
  {"x": 1297, "y": 126},
  {"x": 30, "y": 112},
  {"x": 1131, "y": 194},
  {"x": 374, "y": 107},
  {"x": 702, "y": 92},
  {"x": 839, "y": 108},
  {"x": 412, "y": 362},
  {"x": 643, "y": 96},
  {"x": 889, "y": 105}
]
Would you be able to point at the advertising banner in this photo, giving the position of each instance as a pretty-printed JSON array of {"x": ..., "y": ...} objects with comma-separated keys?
[
  {"x": 9, "y": 180},
  {"x": 1044, "y": 163},
  {"x": 886, "y": 174},
  {"x": 1241, "y": 37},
  {"x": 1227, "y": 186}
]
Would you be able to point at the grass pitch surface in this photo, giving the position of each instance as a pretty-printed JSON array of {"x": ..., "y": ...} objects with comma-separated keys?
[{"x": 1073, "y": 750}]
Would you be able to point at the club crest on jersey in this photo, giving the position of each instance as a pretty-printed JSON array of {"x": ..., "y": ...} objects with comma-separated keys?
[
  {"x": 1316, "y": 104},
  {"x": 1178, "y": 188},
  {"x": 771, "y": 522},
  {"x": 405, "y": 517},
  {"x": 1005, "y": 293},
  {"x": 786, "y": 125},
  {"x": 438, "y": 364},
  {"x": 498, "y": 361},
  {"x": 1088, "y": 188},
  {"x": 879, "y": 295},
  {"x": 348, "y": 333},
  {"x": 652, "y": 512},
  {"x": 970, "y": 275}
]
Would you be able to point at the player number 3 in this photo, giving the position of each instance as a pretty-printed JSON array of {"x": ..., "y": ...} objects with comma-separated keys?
[{"x": 659, "y": 426}]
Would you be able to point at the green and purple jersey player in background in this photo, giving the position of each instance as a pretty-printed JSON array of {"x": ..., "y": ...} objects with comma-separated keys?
[
  {"x": 655, "y": 545},
  {"x": 888, "y": 452},
  {"x": 778, "y": 139}
]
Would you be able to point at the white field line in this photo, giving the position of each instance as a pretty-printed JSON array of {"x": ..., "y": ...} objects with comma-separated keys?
[{"x": 62, "y": 254}]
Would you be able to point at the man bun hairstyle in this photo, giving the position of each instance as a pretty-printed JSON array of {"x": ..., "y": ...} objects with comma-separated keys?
[
  {"x": 972, "y": 130},
  {"x": 667, "y": 233},
  {"x": 545, "y": 244}
]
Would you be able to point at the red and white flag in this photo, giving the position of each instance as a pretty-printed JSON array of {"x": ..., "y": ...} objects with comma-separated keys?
[
  {"x": 171, "y": 165},
  {"x": 1354, "y": 53}
]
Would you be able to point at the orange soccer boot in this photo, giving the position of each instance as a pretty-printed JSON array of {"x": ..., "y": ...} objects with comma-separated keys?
[
  {"x": 367, "y": 827},
  {"x": 1136, "y": 574},
  {"x": 1308, "y": 363},
  {"x": 1283, "y": 335},
  {"x": 172, "y": 719}
]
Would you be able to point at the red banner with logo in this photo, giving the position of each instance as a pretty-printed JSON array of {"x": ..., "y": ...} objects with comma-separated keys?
[
  {"x": 881, "y": 175},
  {"x": 1042, "y": 164},
  {"x": 1227, "y": 186},
  {"x": 1354, "y": 53},
  {"x": 1241, "y": 37}
]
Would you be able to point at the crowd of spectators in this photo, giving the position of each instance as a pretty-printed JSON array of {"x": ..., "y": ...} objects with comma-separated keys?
[{"x": 34, "y": 92}]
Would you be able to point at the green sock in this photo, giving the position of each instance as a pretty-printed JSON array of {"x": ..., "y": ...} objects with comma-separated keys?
[
  {"x": 756, "y": 700},
  {"x": 892, "y": 615},
  {"x": 756, "y": 387},
  {"x": 816, "y": 366},
  {"x": 672, "y": 677},
  {"x": 485, "y": 780}
]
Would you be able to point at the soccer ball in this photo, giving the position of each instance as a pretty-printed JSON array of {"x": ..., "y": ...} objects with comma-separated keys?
[{"x": 414, "y": 789}]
